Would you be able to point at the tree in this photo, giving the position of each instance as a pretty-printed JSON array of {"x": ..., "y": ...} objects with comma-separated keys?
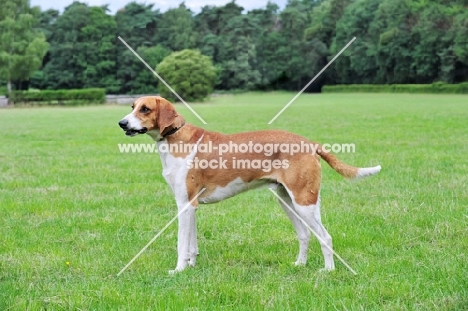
[
  {"x": 271, "y": 51},
  {"x": 175, "y": 29},
  {"x": 359, "y": 63},
  {"x": 82, "y": 52},
  {"x": 217, "y": 42},
  {"x": 145, "y": 81},
  {"x": 67, "y": 52},
  {"x": 393, "y": 29},
  {"x": 300, "y": 67},
  {"x": 189, "y": 73},
  {"x": 239, "y": 70},
  {"x": 461, "y": 47},
  {"x": 136, "y": 24},
  {"x": 99, "y": 41},
  {"x": 46, "y": 22},
  {"x": 46, "y": 25},
  {"x": 397, "y": 41},
  {"x": 433, "y": 56},
  {"x": 402, "y": 41},
  {"x": 21, "y": 46}
]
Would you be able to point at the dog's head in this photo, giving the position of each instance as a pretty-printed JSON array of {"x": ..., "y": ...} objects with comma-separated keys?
[{"x": 153, "y": 115}]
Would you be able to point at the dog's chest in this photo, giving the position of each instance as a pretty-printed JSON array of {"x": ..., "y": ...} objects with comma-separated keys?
[{"x": 175, "y": 169}]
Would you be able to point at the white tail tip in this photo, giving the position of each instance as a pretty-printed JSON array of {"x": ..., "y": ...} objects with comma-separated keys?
[{"x": 368, "y": 171}]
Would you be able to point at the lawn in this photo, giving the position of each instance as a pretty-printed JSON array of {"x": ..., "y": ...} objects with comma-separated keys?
[{"x": 74, "y": 211}]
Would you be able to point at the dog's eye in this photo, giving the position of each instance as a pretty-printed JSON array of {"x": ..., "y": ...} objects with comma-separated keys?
[{"x": 144, "y": 109}]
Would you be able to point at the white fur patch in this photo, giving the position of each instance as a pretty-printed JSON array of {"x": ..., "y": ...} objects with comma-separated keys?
[
  {"x": 155, "y": 135},
  {"x": 133, "y": 122},
  {"x": 368, "y": 171},
  {"x": 175, "y": 170},
  {"x": 234, "y": 187}
]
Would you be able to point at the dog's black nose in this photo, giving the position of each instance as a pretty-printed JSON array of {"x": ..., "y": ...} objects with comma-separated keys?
[{"x": 123, "y": 123}]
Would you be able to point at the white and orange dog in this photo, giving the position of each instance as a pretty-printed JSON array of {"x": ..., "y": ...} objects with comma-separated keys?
[{"x": 295, "y": 176}]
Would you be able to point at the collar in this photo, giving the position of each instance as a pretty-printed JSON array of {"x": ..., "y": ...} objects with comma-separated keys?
[{"x": 173, "y": 131}]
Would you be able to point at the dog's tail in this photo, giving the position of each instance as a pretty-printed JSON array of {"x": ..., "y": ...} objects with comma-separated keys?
[{"x": 346, "y": 170}]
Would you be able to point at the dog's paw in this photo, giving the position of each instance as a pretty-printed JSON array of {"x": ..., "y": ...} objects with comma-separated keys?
[
  {"x": 326, "y": 270},
  {"x": 176, "y": 270},
  {"x": 299, "y": 263},
  {"x": 172, "y": 272},
  {"x": 193, "y": 259}
]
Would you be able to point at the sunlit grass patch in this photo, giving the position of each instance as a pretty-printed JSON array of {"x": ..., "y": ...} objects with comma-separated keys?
[{"x": 74, "y": 211}]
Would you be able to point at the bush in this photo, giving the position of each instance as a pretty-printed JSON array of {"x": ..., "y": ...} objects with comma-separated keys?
[
  {"x": 434, "y": 88},
  {"x": 191, "y": 74},
  {"x": 63, "y": 97}
]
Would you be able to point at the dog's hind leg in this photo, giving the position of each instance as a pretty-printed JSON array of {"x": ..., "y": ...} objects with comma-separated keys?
[
  {"x": 311, "y": 215},
  {"x": 303, "y": 234},
  {"x": 302, "y": 183}
]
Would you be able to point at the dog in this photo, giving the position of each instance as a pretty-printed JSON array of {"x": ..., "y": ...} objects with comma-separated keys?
[{"x": 220, "y": 174}]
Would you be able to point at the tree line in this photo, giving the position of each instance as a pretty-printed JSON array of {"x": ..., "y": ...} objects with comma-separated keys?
[{"x": 397, "y": 42}]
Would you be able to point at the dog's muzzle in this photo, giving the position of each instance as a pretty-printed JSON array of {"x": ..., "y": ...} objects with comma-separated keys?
[{"x": 129, "y": 131}]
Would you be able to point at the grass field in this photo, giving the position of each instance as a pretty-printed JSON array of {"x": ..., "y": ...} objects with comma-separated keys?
[{"x": 74, "y": 211}]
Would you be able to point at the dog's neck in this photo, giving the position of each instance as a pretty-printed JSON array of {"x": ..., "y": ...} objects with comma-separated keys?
[
  {"x": 188, "y": 133},
  {"x": 168, "y": 132},
  {"x": 157, "y": 135}
]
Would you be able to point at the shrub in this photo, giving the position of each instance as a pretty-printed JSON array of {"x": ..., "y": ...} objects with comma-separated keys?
[
  {"x": 64, "y": 97},
  {"x": 434, "y": 88},
  {"x": 191, "y": 74}
]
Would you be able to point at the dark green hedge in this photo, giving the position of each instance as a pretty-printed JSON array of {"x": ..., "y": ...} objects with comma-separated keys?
[
  {"x": 61, "y": 97},
  {"x": 434, "y": 88}
]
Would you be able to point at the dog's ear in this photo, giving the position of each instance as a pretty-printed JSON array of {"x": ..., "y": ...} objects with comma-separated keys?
[{"x": 166, "y": 114}]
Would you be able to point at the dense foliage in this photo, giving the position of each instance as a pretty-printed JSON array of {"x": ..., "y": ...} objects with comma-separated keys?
[
  {"x": 397, "y": 42},
  {"x": 189, "y": 73}
]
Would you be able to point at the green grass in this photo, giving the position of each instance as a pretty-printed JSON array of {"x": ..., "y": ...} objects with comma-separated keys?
[{"x": 68, "y": 195}]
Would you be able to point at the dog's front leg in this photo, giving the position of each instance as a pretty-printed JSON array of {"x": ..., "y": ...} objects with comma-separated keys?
[
  {"x": 193, "y": 247},
  {"x": 186, "y": 222}
]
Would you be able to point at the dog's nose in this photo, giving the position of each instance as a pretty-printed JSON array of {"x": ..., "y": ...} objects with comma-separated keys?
[{"x": 123, "y": 123}]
